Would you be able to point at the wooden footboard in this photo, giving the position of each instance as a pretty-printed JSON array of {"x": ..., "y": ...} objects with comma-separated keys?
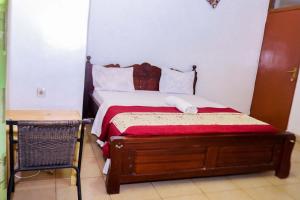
[{"x": 162, "y": 158}]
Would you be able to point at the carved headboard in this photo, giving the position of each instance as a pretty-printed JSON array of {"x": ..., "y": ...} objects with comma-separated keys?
[{"x": 145, "y": 77}]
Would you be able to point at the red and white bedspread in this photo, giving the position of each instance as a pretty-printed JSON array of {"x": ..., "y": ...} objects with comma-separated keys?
[
  {"x": 163, "y": 121},
  {"x": 139, "y": 98}
]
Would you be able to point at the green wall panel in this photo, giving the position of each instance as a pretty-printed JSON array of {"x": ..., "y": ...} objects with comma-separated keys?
[
  {"x": 2, "y": 69},
  {"x": 2, "y": 100}
]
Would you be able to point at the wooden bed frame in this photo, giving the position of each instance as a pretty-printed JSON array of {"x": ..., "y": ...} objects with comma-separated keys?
[{"x": 153, "y": 158}]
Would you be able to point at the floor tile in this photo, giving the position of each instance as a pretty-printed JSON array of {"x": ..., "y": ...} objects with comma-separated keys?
[
  {"x": 297, "y": 146},
  {"x": 216, "y": 184},
  {"x": 296, "y": 156},
  {"x": 87, "y": 150},
  {"x": 92, "y": 189},
  {"x": 35, "y": 190},
  {"x": 229, "y": 195},
  {"x": 90, "y": 168},
  {"x": 268, "y": 193},
  {"x": 295, "y": 169},
  {"x": 176, "y": 188},
  {"x": 100, "y": 162},
  {"x": 97, "y": 152},
  {"x": 292, "y": 179},
  {"x": 40, "y": 194},
  {"x": 64, "y": 191},
  {"x": 98, "y": 155},
  {"x": 189, "y": 197},
  {"x": 292, "y": 190},
  {"x": 250, "y": 181},
  {"x": 35, "y": 175},
  {"x": 34, "y": 185},
  {"x": 63, "y": 173},
  {"x": 140, "y": 191},
  {"x": 92, "y": 138}
]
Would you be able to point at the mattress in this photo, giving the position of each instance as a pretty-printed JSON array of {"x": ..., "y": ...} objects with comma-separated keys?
[{"x": 106, "y": 99}]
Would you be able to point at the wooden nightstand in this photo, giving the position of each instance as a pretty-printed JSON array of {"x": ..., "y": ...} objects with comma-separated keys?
[{"x": 43, "y": 115}]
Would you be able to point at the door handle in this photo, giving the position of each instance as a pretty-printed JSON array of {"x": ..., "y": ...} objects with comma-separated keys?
[{"x": 294, "y": 74}]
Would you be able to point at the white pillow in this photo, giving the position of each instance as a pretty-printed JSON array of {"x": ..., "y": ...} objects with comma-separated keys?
[
  {"x": 172, "y": 81},
  {"x": 113, "y": 79}
]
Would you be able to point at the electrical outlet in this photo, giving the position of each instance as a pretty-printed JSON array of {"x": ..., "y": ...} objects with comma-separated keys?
[{"x": 41, "y": 92}]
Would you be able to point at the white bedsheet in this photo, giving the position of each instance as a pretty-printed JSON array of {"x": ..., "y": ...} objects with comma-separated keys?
[{"x": 107, "y": 99}]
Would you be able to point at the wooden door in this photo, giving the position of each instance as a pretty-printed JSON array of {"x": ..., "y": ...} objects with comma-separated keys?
[{"x": 278, "y": 68}]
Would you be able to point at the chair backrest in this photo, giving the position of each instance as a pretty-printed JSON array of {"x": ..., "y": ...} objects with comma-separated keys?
[{"x": 46, "y": 144}]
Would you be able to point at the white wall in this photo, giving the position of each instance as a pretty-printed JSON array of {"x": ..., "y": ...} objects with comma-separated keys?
[
  {"x": 224, "y": 42},
  {"x": 46, "y": 48},
  {"x": 294, "y": 121}
]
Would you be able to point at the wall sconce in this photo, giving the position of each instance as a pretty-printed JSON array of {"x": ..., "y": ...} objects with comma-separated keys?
[{"x": 213, "y": 3}]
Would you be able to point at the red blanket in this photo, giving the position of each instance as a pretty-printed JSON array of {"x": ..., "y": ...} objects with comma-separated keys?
[{"x": 109, "y": 129}]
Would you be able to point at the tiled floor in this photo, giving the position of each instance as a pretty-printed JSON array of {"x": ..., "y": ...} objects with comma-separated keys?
[{"x": 56, "y": 185}]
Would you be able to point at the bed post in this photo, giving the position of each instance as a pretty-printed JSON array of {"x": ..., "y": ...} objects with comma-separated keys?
[
  {"x": 114, "y": 173},
  {"x": 88, "y": 88},
  {"x": 195, "y": 79},
  {"x": 283, "y": 168}
]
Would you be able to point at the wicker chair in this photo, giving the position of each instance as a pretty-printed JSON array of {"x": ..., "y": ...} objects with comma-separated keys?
[{"x": 45, "y": 145}]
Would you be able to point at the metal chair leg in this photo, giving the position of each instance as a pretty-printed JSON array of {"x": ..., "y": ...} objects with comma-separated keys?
[
  {"x": 78, "y": 184},
  {"x": 10, "y": 187},
  {"x": 13, "y": 182}
]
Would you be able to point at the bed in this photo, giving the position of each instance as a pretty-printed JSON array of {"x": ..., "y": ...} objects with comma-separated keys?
[{"x": 141, "y": 158}]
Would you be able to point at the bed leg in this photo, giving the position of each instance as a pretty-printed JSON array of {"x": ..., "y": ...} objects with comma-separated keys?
[
  {"x": 283, "y": 168},
  {"x": 114, "y": 173},
  {"x": 112, "y": 184}
]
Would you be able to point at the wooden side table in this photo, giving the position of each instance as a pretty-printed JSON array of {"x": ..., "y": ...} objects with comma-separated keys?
[{"x": 44, "y": 115}]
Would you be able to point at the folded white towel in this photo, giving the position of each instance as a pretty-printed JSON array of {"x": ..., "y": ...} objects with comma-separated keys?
[{"x": 181, "y": 105}]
